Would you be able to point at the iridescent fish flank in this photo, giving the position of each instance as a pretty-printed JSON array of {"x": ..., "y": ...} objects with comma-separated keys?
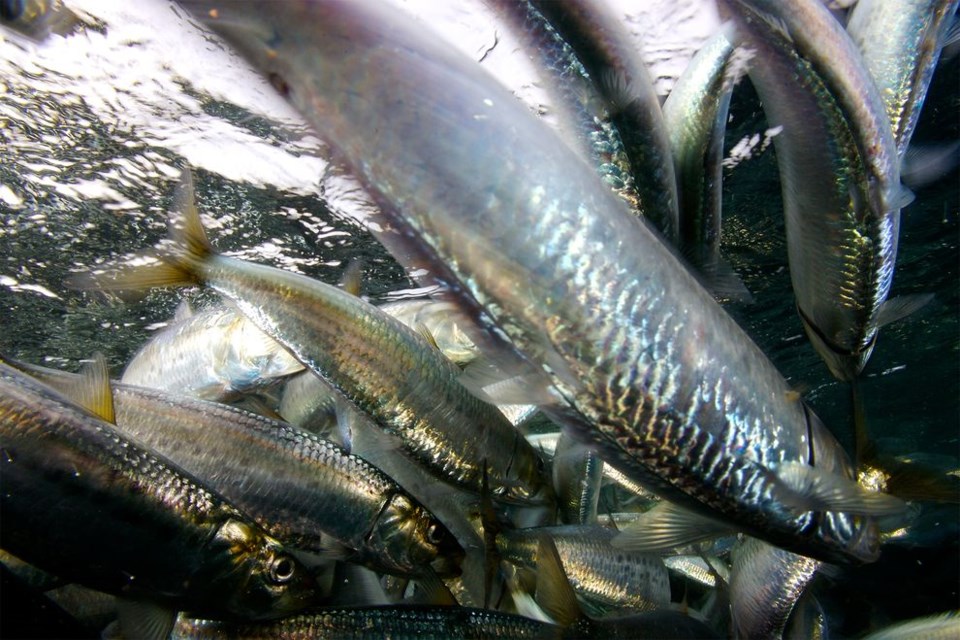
[
  {"x": 649, "y": 368},
  {"x": 839, "y": 173}
]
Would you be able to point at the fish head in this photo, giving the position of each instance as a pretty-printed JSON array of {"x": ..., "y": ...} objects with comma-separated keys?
[
  {"x": 254, "y": 576},
  {"x": 407, "y": 540},
  {"x": 528, "y": 482}
]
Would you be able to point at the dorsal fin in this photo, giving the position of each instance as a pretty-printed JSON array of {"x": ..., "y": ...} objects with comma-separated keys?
[
  {"x": 352, "y": 279},
  {"x": 92, "y": 389}
]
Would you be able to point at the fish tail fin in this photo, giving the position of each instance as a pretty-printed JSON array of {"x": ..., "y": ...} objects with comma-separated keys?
[
  {"x": 554, "y": 593},
  {"x": 175, "y": 263}
]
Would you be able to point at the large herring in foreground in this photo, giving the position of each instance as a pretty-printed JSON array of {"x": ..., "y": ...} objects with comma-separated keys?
[{"x": 651, "y": 370}]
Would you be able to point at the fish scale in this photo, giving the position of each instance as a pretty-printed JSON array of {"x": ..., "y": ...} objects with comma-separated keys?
[
  {"x": 156, "y": 534},
  {"x": 900, "y": 42},
  {"x": 383, "y": 367},
  {"x": 453, "y": 195},
  {"x": 839, "y": 172}
]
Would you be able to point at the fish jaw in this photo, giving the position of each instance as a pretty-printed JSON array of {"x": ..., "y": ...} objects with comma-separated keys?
[
  {"x": 253, "y": 576},
  {"x": 412, "y": 539}
]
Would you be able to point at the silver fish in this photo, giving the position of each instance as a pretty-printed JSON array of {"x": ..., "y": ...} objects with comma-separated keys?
[
  {"x": 695, "y": 114},
  {"x": 577, "y": 471},
  {"x": 401, "y": 622},
  {"x": 584, "y": 118},
  {"x": 383, "y": 367},
  {"x": 604, "y": 578},
  {"x": 441, "y": 321},
  {"x": 647, "y": 366},
  {"x": 900, "y": 41},
  {"x": 309, "y": 403},
  {"x": 839, "y": 172},
  {"x": 619, "y": 73},
  {"x": 155, "y": 533},
  {"x": 304, "y": 491},
  {"x": 214, "y": 354}
]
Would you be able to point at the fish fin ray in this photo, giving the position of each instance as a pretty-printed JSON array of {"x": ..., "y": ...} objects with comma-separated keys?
[
  {"x": 91, "y": 390},
  {"x": 666, "y": 526},
  {"x": 554, "y": 593},
  {"x": 818, "y": 490},
  {"x": 352, "y": 279},
  {"x": 898, "y": 308},
  {"x": 146, "y": 620},
  {"x": 923, "y": 164}
]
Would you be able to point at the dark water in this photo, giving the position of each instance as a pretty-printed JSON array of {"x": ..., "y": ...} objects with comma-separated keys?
[{"x": 81, "y": 184}]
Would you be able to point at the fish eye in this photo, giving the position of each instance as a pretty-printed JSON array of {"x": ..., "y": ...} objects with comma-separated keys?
[
  {"x": 282, "y": 570},
  {"x": 435, "y": 533},
  {"x": 11, "y": 9}
]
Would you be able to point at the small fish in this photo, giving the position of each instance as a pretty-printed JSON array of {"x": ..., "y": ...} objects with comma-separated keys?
[
  {"x": 604, "y": 578},
  {"x": 308, "y": 402},
  {"x": 215, "y": 354},
  {"x": 695, "y": 114},
  {"x": 157, "y": 534},
  {"x": 304, "y": 491},
  {"x": 442, "y": 321},
  {"x": 401, "y": 622},
  {"x": 577, "y": 472},
  {"x": 558, "y": 599},
  {"x": 383, "y": 367},
  {"x": 839, "y": 174}
]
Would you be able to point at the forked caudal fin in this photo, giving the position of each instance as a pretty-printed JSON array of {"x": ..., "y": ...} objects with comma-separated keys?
[{"x": 174, "y": 264}]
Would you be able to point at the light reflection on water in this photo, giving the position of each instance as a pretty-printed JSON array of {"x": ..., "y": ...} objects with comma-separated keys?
[{"x": 95, "y": 127}]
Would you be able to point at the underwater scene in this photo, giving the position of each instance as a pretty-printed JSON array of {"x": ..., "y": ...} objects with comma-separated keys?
[{"x": 497, "y": 318}]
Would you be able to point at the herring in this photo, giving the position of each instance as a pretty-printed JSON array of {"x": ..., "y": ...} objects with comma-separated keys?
[
  {"x": 839, "y": 173},
  {"x": 85, "y": 502},
  {"x": 304, "y": 491},
  {"x": 383, "y": 367},
  {"x": 605, "y": 578},
  {"x": 695, "y": 114},
  {"x": 643, "y": 363},
  {"x": 215, "y": 354},
  {"x": 620, "y": 75},
  {"x": 580, "y": 112}
]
